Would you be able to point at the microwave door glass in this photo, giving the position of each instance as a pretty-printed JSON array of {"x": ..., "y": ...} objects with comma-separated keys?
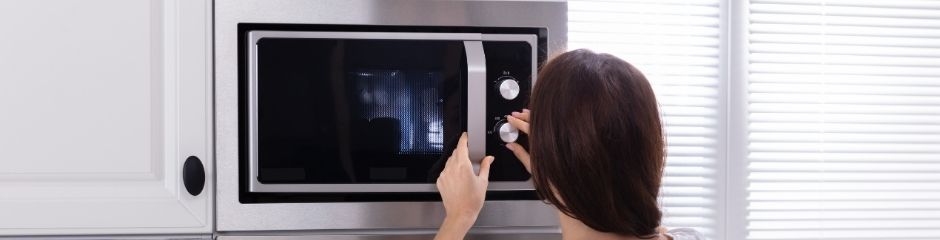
[{"x": 357, "y": 111}]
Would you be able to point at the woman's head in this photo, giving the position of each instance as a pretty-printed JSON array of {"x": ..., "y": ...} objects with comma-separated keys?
[{"x": 597, "y": 142}]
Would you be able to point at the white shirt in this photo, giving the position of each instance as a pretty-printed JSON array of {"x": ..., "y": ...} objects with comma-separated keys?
[{"x": 684, "y": 234}]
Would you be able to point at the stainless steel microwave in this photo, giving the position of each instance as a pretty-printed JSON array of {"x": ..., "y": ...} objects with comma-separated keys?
[
  {"x": 372, "y": 112},
  {"x": 338, "y": 98}
]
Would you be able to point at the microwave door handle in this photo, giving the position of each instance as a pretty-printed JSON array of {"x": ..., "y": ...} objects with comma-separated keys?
[{"x": 476, "y": 102}]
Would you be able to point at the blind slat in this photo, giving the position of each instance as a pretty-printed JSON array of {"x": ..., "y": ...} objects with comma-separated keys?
[{"x": 844, "y": 119}]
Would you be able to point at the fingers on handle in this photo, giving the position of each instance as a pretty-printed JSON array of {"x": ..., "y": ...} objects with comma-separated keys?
[
  {"x": 485, "y": 167},
  {"x": 461, "y": 151},
  {"x": 519, "y": 124},
  {"x": 450, "y": 159},
  {"x": 521, "y": 154}
]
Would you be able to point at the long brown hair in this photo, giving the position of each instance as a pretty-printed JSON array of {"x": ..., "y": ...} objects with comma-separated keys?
[{"x": 597, "y": 142}]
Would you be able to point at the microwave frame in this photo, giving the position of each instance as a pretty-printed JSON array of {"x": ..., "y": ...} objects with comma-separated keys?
[
  {"x": 476, "y": 93},
  {"x": 297, "y": 215},
  {"x": 278, "y": 194}
]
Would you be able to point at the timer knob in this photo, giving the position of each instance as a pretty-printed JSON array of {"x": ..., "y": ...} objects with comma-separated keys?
[
  {"x": 509, "y": 88},
  {"x": 507, "y": 132}
]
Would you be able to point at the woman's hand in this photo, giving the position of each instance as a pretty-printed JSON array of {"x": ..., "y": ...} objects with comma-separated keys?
[
  {"x": 520, "y": 120},
  {"x": 462, "y": 191}
]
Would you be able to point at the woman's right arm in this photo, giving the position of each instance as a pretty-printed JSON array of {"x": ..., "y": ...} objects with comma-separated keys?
[{"x": 462, "y": 191}]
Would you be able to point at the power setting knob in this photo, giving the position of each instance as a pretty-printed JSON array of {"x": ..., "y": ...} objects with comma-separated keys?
[
  {"x": 507, "y": 132},
  {"x": 509, "y": 88}
]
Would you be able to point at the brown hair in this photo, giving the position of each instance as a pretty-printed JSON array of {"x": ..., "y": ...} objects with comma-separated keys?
[{"x": 597, "y": 143}]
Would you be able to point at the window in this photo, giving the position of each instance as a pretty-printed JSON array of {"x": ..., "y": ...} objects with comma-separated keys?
[
  {"x": 788, "y": 119},
  {"x": 677, "y": 46},
  {"x": 844, "y": 119}
]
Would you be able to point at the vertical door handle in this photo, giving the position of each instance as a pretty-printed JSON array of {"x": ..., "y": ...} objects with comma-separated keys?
[{"x": 476, "y": 102}]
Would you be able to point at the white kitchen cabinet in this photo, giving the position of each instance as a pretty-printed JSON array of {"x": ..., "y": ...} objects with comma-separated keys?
[{"x": 101, "y": 101}]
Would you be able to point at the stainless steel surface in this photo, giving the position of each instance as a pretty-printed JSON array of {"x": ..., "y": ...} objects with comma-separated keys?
[
  {"x": 114, "y": 237},
  {"x": 476, "y": 231},
  {"x": 476, "y": 102},
  {"x": 502, "y": 234},
  {"x": 427, "y": 236},
  {"x": 509, "y": 89},
  {"x": 253, "y": 113},
  {"x": 508, "y": 133},
  {"x": 374, "y": 215},
  {"x": 235, "y": 217},
  {"x": 254, "y": 36}
]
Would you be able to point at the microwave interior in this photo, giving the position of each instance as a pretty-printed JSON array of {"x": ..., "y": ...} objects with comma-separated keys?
[{"x": 373, "y": 114}]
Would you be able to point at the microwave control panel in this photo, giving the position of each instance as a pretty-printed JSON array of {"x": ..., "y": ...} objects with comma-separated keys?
[{"x": 509, "y": 75}]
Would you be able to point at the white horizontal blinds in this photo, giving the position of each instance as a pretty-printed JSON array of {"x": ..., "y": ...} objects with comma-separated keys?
[
  {"x": 676, "y": 45},
  {"x": 844, "y": 119}
]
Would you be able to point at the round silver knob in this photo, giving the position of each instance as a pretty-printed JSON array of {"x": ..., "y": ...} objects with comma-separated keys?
[
  {"x": 509, "y": 88},
  {"x": 507, "y": 132}
]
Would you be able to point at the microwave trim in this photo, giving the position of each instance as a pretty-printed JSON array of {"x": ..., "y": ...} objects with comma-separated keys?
[
  {"x": 476, "y": 126},
  {"x": 245, "y": 196}
]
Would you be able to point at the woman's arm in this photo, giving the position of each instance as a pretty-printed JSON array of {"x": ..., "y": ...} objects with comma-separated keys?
[
  {"x": 454, "y": 228},
  {"x": 462, "y": 192}
]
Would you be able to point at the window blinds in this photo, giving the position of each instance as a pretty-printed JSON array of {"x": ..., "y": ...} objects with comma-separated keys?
[
  {"x": 675, "y": 43},
  {"x": 844, "y": 119}
]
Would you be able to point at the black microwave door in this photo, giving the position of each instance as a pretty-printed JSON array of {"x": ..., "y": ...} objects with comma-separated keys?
[{"x": 334, "y": 111}]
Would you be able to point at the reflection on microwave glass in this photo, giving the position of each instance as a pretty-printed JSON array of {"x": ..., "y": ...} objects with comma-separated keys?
[{"x": 403, "y": 103}]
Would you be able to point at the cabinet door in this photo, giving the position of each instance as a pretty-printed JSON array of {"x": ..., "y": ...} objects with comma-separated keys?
[{"x": 101, "y": 102}]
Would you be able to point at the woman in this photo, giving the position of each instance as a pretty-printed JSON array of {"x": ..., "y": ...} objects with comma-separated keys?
[{"x": 603, "y": 176}]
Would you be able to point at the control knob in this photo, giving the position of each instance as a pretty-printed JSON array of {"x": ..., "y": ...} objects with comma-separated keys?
[
  {"x": 509, "y": 88},
  {"x": 507, "y": 132}
]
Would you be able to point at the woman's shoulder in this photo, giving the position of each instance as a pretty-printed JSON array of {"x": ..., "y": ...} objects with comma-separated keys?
[{"x": 685, "y": 234}]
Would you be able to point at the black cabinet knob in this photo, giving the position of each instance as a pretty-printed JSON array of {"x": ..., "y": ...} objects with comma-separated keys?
[{"x": 194, "y": 175}]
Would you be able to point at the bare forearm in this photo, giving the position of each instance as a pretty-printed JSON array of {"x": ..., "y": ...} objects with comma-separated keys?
[{"x": 454, "y": 228}]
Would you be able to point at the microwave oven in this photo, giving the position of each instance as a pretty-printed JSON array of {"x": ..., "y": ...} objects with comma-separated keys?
[
  {"x": 371, "y": 113},
  {"x": 333, "y": 117}
]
